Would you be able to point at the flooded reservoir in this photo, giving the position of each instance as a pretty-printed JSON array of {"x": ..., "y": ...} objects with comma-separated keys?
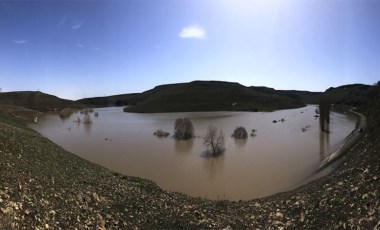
[{"x": 281, "y": 154}]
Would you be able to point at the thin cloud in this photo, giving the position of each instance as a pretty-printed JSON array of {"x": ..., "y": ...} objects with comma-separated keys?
[
  {"x": 193, "y": 32},
  {"x": 62, "y": 22},
  {"x": 77, "y": 25},
  {"x": 80, "y": 45},
  {"x": 20, "y": 41}
]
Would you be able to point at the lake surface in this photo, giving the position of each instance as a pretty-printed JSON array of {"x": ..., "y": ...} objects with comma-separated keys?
[{"x": 280, "y": 156}]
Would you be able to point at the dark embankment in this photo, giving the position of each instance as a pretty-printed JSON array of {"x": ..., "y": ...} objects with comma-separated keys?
[
  {"x": 43, "y": 186},
  {"x": 36, "y": 100},
  {"x": 115, "y": 100},
  {"x": 208, "y": 96}
]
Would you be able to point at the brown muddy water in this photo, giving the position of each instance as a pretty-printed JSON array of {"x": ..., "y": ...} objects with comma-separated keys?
[{"x": 280, "y": 156}]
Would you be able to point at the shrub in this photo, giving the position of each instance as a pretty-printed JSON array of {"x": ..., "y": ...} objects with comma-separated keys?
[
  {"x": 160, "y": 133},
  {"x": 78, "y": 120},
  {"x": 183, "y": 129},
  {"x": 86, "y": 110},
  {"x": 66, "y": 112},
  {"x": 87, "y": 119},
  {"x": 96, "y": 114},
  {"x": 240, "y": 133},
  {"x": 253, "y": 133}
]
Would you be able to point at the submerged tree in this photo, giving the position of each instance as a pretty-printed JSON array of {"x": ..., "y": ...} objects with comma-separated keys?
[
  {"x": 214, "y": 141},
  {"x": 240, "y": 133},
  {"x": 183, "y": 129},
  {"x": 324, "y": 112}
]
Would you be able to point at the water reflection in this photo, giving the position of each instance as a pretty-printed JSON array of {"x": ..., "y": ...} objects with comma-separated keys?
[
  {"x": 214, "y": 166},
  {"x": 183, "y": 146},
  {"x": 87, "y": 128},
  {"x": 240, "y": 143},
  {"x": 324, "y": 141}
]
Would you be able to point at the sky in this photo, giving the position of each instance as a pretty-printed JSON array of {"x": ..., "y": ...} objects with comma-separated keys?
[{"x": 77, "y": 49}]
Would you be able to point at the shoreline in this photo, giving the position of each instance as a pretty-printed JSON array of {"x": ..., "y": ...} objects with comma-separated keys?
[
  {"x": 44, "y": 186},
  {"x": 347, "y": 143}
]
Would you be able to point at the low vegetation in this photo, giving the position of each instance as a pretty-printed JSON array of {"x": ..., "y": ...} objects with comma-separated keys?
[
  {"x": 66, "y": 112},
  {"x": 160, "y": 133},
  {"x": 240, "y": 133},
  {"x": 87, "y": 119},
  {"x": 253, "y": 133},
  {"x": 87, "y": 110},
  {"x": 183, "y": 129},
  {"x": 214, "y": 141}
]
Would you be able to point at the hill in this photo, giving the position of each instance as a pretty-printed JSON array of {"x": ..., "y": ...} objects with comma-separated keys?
[
  {"x": 208, "y": 96},
  {"x": 115, "y": 100},
  {"x": 352, "y": 95},
  {"x": 35, "y": 100},
  {"x": 304, "y": 96}
]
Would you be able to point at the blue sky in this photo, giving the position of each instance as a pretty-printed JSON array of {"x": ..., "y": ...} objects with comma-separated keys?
[{"x": 76, "y": 49}]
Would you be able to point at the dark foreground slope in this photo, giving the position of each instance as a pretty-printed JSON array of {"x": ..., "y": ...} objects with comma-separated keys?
[
  {"x": 43, "y": 186},
  {"x": 35, "y": 100},
  {"x": 208, "y": 96}
]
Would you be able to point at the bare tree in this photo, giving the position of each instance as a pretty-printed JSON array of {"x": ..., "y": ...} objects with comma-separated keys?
[
  {"x": 183, "y": 129},
  {"x": 214, "y": 140}
]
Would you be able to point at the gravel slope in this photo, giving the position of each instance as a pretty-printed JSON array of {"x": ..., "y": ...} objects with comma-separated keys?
[{"x": 44, "y": 187}]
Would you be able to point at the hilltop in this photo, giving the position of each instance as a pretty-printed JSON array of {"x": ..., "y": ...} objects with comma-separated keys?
[
  {"x": 208, "y": 96},
  {"x": 36, "y": 100},
  {"x": 114, "y": 100}
]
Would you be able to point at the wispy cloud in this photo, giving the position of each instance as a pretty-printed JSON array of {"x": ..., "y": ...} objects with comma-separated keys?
[
  {"x": 62, "y": 22},
  {"x": 193, "y": 32},
  {"x": 77, "y": 25},
  {"x": 20, "y": 41},
  {"x": 80, "y": 45}
]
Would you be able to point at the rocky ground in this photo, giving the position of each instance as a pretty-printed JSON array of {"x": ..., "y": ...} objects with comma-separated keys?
[{"x": 44, "y": 187}]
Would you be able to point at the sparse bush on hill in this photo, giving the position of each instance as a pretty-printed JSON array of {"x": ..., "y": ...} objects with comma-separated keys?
[
  {"x": 66, "y": 112},
  {"x": 183, "y": 129},
  {"x": 240, "y": 133},
  {"x": 214, "y": 141}
]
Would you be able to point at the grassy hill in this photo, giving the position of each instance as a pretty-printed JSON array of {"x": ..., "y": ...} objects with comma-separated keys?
[
  {"x": 115, "y": 100},
  {"x": 352, "y": 95},
  {"x": 207, "y": 96},
  {"x": 304, "y": 96},
  {"x": 35, "y": 100}
]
